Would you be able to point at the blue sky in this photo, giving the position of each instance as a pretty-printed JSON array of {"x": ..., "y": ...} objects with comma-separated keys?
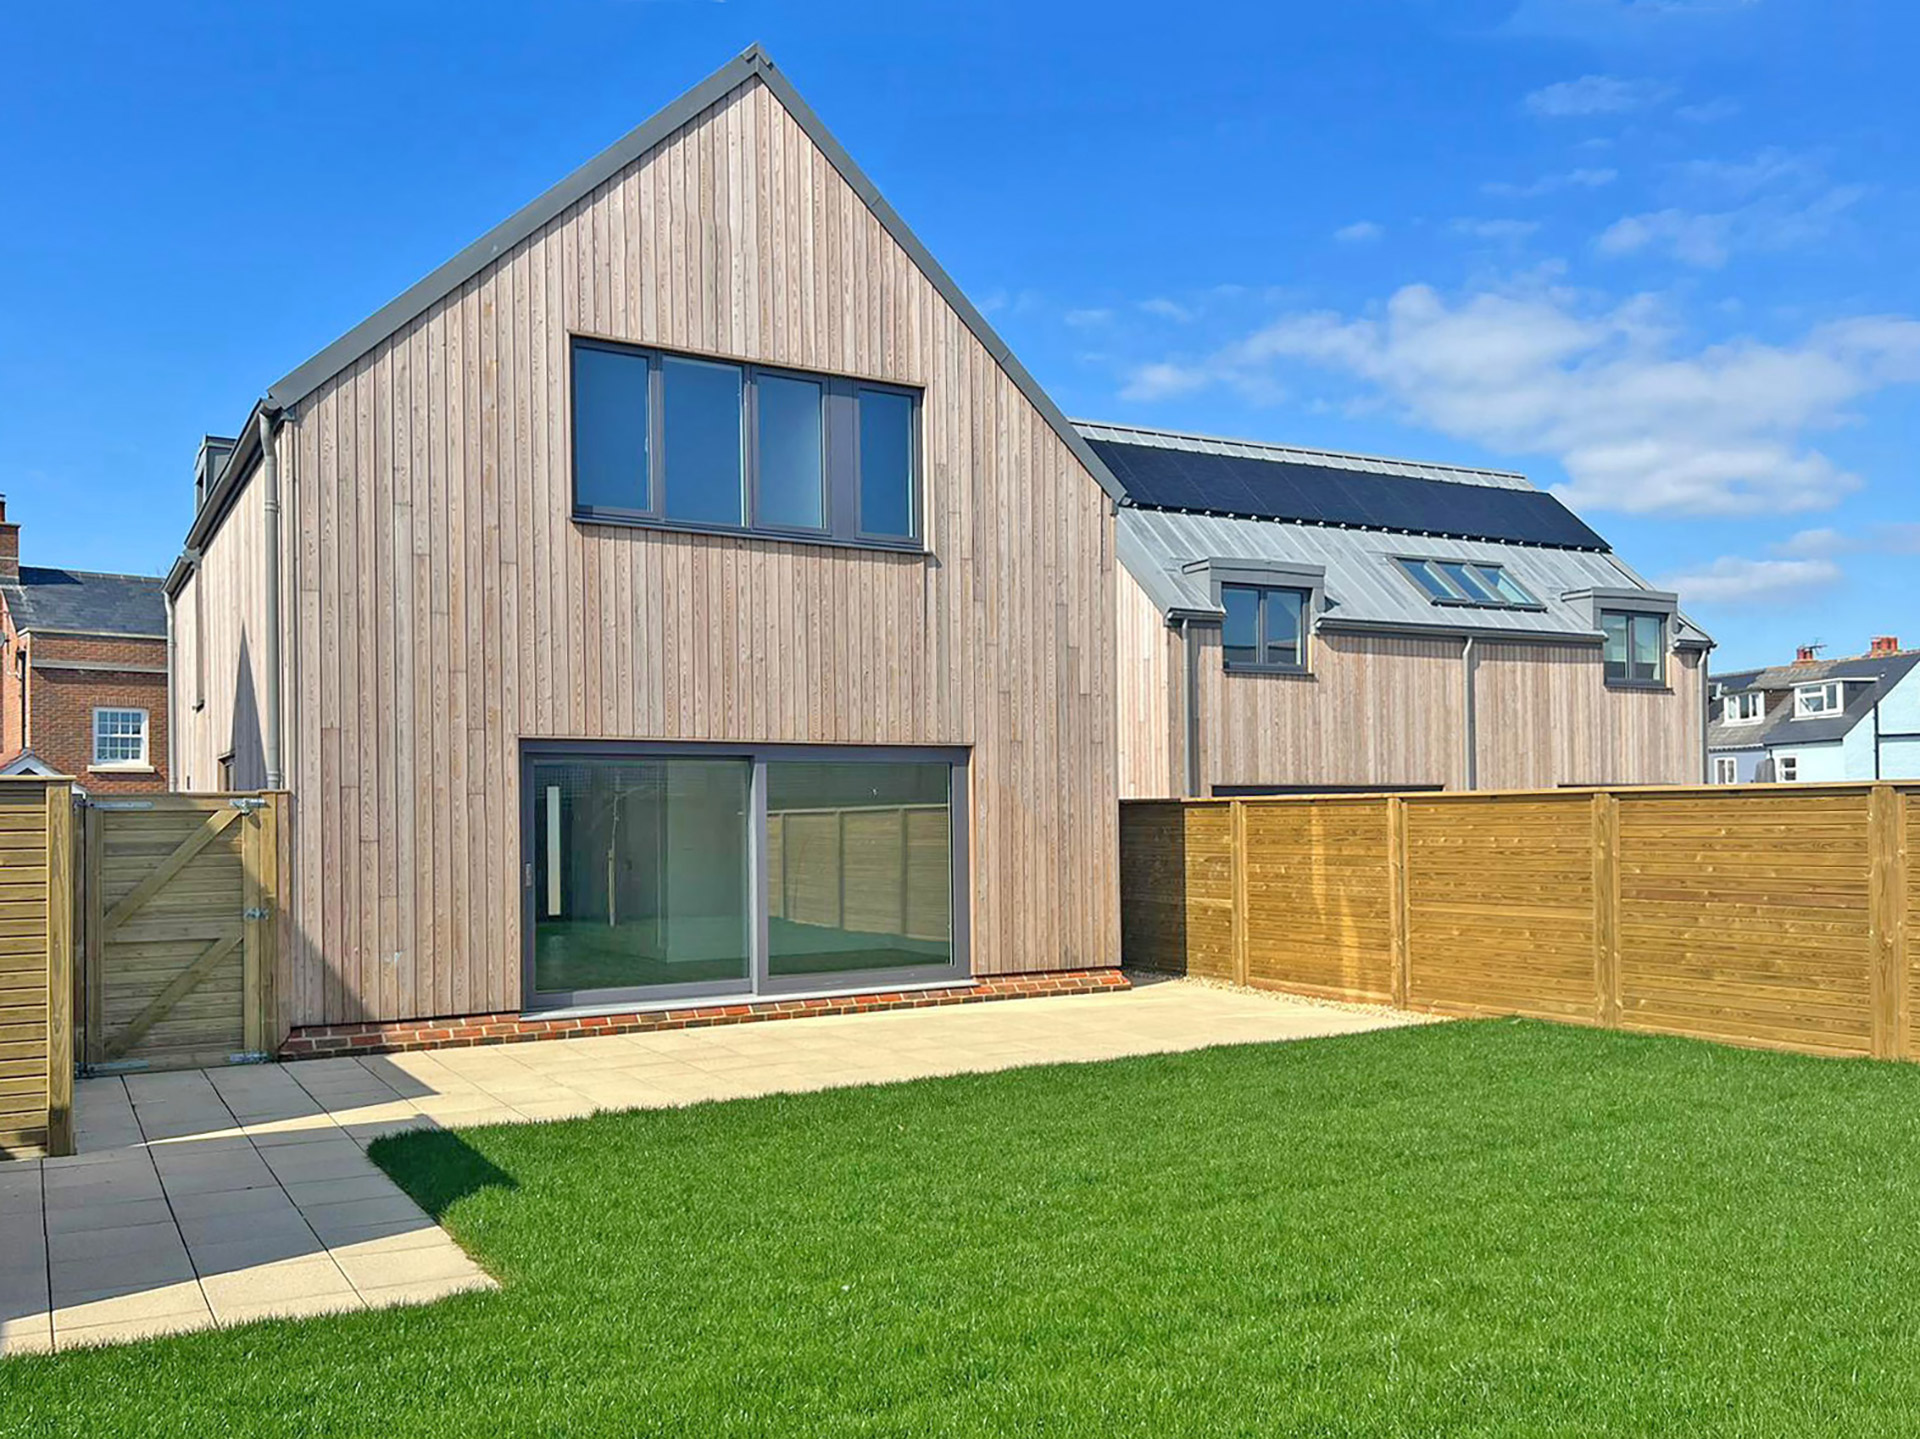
[{"x": 1656, "y": 252}]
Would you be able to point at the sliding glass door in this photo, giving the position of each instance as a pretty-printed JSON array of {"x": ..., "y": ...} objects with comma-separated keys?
[
  {"x": 656, "y": 872},
  {"x": 640, "y": 876}
]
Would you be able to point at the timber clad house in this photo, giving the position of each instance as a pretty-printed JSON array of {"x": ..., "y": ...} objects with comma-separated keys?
[
  {"x": 83, "y": 673},
  {"x": 1856, "y": 718},
  {"x": 1295, "y": 620},
  {"x": 682, "y": 596}
]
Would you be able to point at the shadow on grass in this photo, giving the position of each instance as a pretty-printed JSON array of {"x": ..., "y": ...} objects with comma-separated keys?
[{"x": 437, "y": 1168}]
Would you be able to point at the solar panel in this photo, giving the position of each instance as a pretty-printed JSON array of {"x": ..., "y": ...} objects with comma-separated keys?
[{"x": 1160, "y": 478}]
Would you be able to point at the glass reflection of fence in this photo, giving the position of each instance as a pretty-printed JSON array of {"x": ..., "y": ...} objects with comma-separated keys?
[{"x": 866, "y": 870}]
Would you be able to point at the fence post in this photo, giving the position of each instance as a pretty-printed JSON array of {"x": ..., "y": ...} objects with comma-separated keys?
[
  {"x": 1886, "y": 898},
  {"x": 1397, "y": 898},
  {"x": 1606, "y": 909},
  {"x": 1239, "y": 852},
  {"x": 94, "y": 983},
  {"x": 59, "y": 803}
]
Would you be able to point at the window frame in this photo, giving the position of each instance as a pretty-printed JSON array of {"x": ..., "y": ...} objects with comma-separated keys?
[
  {"x": 841, "y": 523},
  {"x": 760, "y": 983},
  {"x": 1629, "y": 681},
  {"x": 1786, "y": 769},
  {"x": 1260, "y": 642},
  {"x": 1490, "y": 575},
  {"x": 1835, "y": 688},
  {"x": 1726, "y": 769},
  {"x": 144, "y": 761},
  {"x": 1727, "y": 716}
]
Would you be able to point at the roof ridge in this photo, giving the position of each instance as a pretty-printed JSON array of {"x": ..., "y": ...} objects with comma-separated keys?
[
  {"x": 1084, "y": 424},
  {"x": 98, "y": 574}
]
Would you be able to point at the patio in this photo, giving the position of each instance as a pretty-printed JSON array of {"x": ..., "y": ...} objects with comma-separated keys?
[{"x": 214, "y": 1197}]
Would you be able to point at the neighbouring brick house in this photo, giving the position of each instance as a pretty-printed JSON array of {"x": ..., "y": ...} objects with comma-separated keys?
[{"x": 83, "y": 673}]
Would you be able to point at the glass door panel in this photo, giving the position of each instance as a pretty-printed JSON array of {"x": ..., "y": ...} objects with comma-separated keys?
[
  {"x": 640, "y": 874},
  {"x": 859, "y": 866}
]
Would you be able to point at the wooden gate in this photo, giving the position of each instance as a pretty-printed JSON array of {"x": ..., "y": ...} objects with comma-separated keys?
[{"x": 179, "y": 929}]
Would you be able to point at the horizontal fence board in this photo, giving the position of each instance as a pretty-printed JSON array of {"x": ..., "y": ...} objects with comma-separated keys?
[{"x": 1772, "y": 916}]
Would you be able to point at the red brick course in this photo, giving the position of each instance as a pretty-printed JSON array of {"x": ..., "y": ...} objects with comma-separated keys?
[{"x": 324, "y": 1040}]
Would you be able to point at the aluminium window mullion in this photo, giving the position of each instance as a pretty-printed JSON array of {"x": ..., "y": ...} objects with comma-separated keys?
[{"x": 758, "y": 869}]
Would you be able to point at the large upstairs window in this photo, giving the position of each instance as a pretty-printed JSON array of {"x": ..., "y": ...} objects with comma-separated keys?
[{"x": 691, "y": 443}]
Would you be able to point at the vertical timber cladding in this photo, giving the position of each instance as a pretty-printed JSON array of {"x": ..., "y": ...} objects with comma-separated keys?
[
  {"x": 181, "y": 929},
  {"x": 1500, "y": 905},
  {"x": 1176, "y": 886},
  {"x": 447, "y": 605},
  {"x": 1746, "y": 917},
  {"x": 36, "y": 976},
  {"x": 1318, "y": 897}
]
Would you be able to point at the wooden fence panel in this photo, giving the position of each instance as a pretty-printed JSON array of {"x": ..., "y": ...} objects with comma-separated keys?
[
  {"x": 1776, "y": 916},
  {"x": 1319, "y": 903},
  {"x": 1500, "y": 906},
  {"x": 181, "y": 930},
  {"x": 1745, "y": 917},
  {"x": 36, "y": 980},
  {"x": 1176, "y": 885}
]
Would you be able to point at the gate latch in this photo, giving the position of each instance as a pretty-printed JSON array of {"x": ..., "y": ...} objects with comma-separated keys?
[
  {"x": 255, "y": 913},
  {"x": 249, "y": 805}
]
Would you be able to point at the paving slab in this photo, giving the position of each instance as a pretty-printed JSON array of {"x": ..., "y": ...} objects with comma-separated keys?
[{"x": 216, "y": 1197}]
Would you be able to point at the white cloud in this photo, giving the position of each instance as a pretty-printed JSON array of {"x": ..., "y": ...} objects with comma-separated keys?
[
  {"x": 1583, "y": 179},
  {"x": 1495, "y": 232},
  {"x": 1886, "y": 537},
  {"x": 1082, "y": 319},
  {"x": 1164, "y": 380},
  {"x": 1360, "y": 232},
  {"x": 1774, "y": 200},
  {"x": 1639, "y": 422},
  {"x": 1596, "y": 95},
  {"x": 1167, "y": 309},
  {"x": 1731, "y": 580}
]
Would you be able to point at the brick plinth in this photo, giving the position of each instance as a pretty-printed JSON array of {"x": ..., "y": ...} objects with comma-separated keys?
[{"x": 326, "y": 1040}]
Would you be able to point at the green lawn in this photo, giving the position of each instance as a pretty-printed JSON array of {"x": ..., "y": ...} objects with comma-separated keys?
[{"x": 1475, "y": 1228}]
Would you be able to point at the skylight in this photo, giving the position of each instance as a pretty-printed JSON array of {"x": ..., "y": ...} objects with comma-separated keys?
[{"x": 1467, "y": 582}]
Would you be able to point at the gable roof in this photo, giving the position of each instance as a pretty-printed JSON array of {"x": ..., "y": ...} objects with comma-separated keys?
[
  {"x": 1869, "y": 680},
  {"x": 84, "y": 603},
  {"x": 751, "y": 64},
  {"x": 1334, "y": 512}
]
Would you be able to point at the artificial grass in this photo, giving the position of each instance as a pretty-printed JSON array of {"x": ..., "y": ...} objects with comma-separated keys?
[{"x": 1497, "y": 1228}]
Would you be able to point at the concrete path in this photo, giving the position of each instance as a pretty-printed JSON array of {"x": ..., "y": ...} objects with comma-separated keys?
[{"x": 213, "y": 1197}]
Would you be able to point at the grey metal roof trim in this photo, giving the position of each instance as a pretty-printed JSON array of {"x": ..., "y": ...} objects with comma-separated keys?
[
  {"x": 224, "y": 490},
  {"x": 751, "y": 64}
]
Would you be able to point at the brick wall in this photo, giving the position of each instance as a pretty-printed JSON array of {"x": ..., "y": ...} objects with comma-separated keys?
[{"x": 61, "y": 701}]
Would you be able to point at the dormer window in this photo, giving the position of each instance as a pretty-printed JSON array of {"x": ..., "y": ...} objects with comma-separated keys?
[
  {"x": 1744, "y": 707},
  {"x": 1812, "y": 701},
  {"x": 1467, "y": 582}
]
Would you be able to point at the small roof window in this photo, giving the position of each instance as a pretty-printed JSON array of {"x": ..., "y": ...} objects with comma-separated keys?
[{"x": 1467, "y": 582}]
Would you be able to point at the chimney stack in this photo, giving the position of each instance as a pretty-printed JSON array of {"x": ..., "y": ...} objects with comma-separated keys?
[
  {"x": 207, "y": 464},
  {"x": 1807, "y": 654},
  {"x": 1882, "y": 646},
  {"x": 9, "y": 547}
]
